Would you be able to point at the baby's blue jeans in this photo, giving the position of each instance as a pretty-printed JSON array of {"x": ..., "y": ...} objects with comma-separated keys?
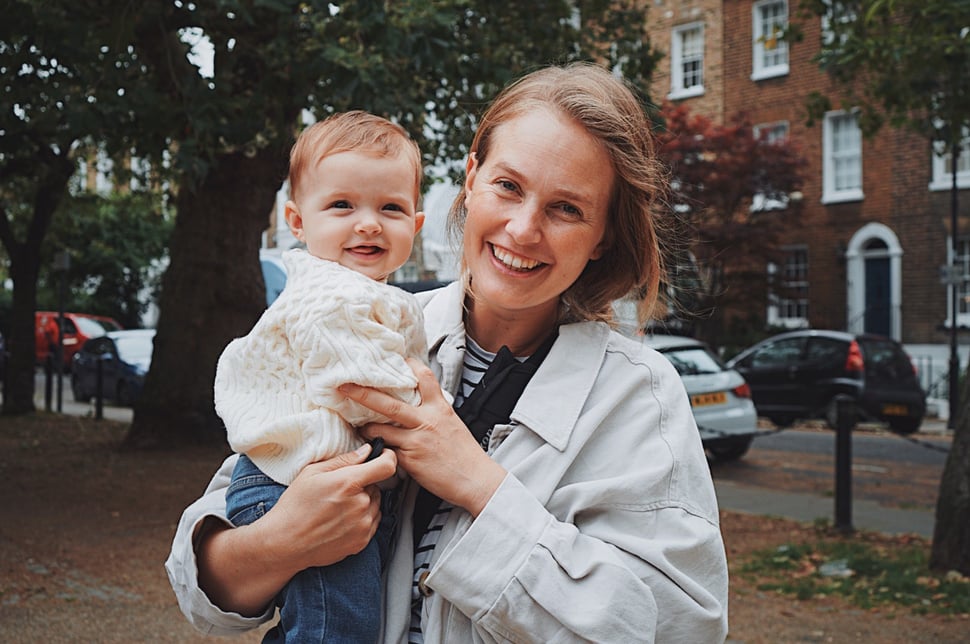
[{"x": 336, "y": 603}]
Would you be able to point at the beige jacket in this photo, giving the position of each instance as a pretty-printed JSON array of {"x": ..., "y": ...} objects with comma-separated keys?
[{"x": 605, "y": 530}]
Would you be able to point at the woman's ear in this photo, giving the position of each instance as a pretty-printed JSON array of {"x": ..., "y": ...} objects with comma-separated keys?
[
  {"x": 471, "y": 169},
  {"x": 602, "y": 247},
  {"x": 294, "y": 219}
]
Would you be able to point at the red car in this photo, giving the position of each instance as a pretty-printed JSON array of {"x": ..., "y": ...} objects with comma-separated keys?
[{"x": 78, "y": 329}]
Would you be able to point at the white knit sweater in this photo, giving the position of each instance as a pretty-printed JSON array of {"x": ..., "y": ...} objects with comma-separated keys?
[{"x": 275, "y": 388}]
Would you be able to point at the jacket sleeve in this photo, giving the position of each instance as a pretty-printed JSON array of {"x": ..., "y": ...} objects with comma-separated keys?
[
  {"x": 182, "y": 568},
  {"x": 627, "y": 547}
]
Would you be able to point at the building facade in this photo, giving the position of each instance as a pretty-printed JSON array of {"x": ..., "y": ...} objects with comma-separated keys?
[{"x": 873, "y": 231}]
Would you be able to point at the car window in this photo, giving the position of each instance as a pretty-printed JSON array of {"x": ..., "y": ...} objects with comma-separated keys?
[
  {"x": 69, "y": 328},
  {"x": 692, "y": 361},
  {"x": 885, "y": 361},
  {"x": 826, "y": 351},
  {"x": 108, "y": 324},
  {"x": 781, "y": 353},
  {"x": 89, "y": 327},
  {"x": 97, "y": 346}
]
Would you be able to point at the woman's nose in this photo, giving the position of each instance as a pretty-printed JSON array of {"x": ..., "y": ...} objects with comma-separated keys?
[{"x": 525, "y": 224}]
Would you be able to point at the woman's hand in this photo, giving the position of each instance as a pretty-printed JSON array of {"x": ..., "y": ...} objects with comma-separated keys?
[
  {"x": 432, "y": 443},
  {"x": 329, "y": 511}
]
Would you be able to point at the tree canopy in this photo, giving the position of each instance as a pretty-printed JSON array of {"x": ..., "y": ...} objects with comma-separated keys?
[
  {"x": 212, "y": 93},
  {"x": 732, "y": 191}
]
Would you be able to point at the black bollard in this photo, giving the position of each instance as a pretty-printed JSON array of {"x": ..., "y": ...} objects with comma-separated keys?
[
  {"x": 845, "y": 421},
  {"x": 48, "y": 385},
  {"x": 98, "y": 393}
]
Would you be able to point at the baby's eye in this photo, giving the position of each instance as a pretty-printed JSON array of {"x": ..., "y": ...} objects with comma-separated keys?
[
  {"x": 341, "y": 204},
  {"x": 393, "y": 206}
]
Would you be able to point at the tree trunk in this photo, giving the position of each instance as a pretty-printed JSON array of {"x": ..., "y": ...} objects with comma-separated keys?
[
  {"x": 18, "y": 382},
  {"x": 212, "y": 292},
  {"x": 55, "y": 172},
  {"x": 951, "y": 535}
]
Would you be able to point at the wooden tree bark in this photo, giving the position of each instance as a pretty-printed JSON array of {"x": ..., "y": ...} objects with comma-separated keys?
[
  {"x": 55, "y": 170},
  {"x": 203, "y": 305},
  {"x": 951, "y": 535}
]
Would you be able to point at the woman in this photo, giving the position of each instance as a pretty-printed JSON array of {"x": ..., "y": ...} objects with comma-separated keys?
[{"x": 591, "y": 513}]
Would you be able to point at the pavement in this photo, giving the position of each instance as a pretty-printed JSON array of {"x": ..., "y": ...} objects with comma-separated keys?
[
  {"x": 733, "y": 496},
  {"x": 863, "y": 514}
]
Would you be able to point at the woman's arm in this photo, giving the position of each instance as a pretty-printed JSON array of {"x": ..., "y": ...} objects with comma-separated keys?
[{"x": 222, "y": 574}]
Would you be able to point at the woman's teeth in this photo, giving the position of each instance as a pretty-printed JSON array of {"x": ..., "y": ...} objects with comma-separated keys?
[{"x": 514, "y": 261}]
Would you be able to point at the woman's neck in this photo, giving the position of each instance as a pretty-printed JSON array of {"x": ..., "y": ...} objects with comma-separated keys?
[{"x": 522, "y": 333}]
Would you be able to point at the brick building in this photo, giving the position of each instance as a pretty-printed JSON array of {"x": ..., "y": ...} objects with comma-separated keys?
[{"x": 875, "y": 214}]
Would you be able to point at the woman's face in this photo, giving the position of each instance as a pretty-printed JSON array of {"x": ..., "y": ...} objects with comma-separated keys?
[{"x": 537, "y": 213}]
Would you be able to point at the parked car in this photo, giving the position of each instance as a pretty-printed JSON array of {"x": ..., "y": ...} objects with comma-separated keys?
[
  {"x": 125, "y": 357},
  {"x": 719, "y": 397},
  {"x": 3, "y": 357},
  {"x": 78, "y": 329},
  {"x": 802, "y": 374}
]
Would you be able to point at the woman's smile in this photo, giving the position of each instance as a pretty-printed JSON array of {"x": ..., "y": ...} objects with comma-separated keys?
[{"x": 513, "y": 261}]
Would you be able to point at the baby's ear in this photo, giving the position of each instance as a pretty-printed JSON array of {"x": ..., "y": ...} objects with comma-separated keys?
[
  {"x": 418, "y": 221},
  {"x": 294, "y": 219}
]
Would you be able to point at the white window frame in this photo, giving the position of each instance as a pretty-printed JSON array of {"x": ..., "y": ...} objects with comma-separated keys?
[
  {"x": 678, "y": 58},
  {"x": 760, "y": 41},
  {"x": 776, "y": 132},
  {"x": 779, "y": 308},
  {"x": 834, "y": 154},
  {"x": 962, "y": 259},
  {"x": 942, "y": 179}
]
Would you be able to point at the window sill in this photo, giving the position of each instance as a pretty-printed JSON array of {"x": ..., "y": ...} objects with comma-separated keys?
[
  {"x": 939, "y": 185},
  {"x": 769, "y": 72},
  {"x": 842, "y": 197},
  {"x": 678, "y": 94}
]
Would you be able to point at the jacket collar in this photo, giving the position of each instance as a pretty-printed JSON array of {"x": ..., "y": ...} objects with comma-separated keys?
[{"x": 572, "y": 365}]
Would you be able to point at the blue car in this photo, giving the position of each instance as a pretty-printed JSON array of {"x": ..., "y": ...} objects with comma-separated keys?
[{"x": 124, "y": 356}]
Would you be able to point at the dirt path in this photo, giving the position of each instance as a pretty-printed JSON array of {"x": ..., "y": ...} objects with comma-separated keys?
[{"x": 84, "y": 531}]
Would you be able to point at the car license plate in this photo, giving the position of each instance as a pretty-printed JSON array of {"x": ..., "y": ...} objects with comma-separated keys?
[
  {"x": 716, "y": 398},
  {"x": 895, "y": 410}
]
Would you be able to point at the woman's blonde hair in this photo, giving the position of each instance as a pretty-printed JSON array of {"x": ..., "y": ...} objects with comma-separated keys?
[
  {"x": 353, "y": 131},
  {"x": 607, "y": 108}
]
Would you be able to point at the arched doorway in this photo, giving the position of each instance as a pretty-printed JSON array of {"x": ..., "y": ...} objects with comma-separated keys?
[{"x": 873, "y": 288}]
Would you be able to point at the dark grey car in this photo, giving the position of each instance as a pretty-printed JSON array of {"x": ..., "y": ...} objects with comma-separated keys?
[{"x": 802, "y": 374}]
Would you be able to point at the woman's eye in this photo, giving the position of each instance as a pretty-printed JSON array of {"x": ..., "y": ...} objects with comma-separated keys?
[
  {"x": 508, "y": 185},
  {"x": 571, "y": 210}
]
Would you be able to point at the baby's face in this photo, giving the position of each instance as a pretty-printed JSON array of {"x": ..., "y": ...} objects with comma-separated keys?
[{"x": 358, "y": 209}]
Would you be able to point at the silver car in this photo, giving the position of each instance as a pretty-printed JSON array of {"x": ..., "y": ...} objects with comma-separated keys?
[{"x": 720, "y": 397}]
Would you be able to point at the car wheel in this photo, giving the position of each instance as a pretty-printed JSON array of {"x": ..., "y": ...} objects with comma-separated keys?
[
  {"x": 731, "y": 449},
  {"x": 904, "y": 425},
  {"x": 79, "y": 395},
  {"x": 781, "y": 422}
]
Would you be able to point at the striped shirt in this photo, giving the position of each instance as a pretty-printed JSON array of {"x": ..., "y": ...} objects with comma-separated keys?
[{"x": 474, "y": 366}]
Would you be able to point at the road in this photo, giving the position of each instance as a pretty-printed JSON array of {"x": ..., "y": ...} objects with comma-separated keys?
[{"x": 883, "y": 446}]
